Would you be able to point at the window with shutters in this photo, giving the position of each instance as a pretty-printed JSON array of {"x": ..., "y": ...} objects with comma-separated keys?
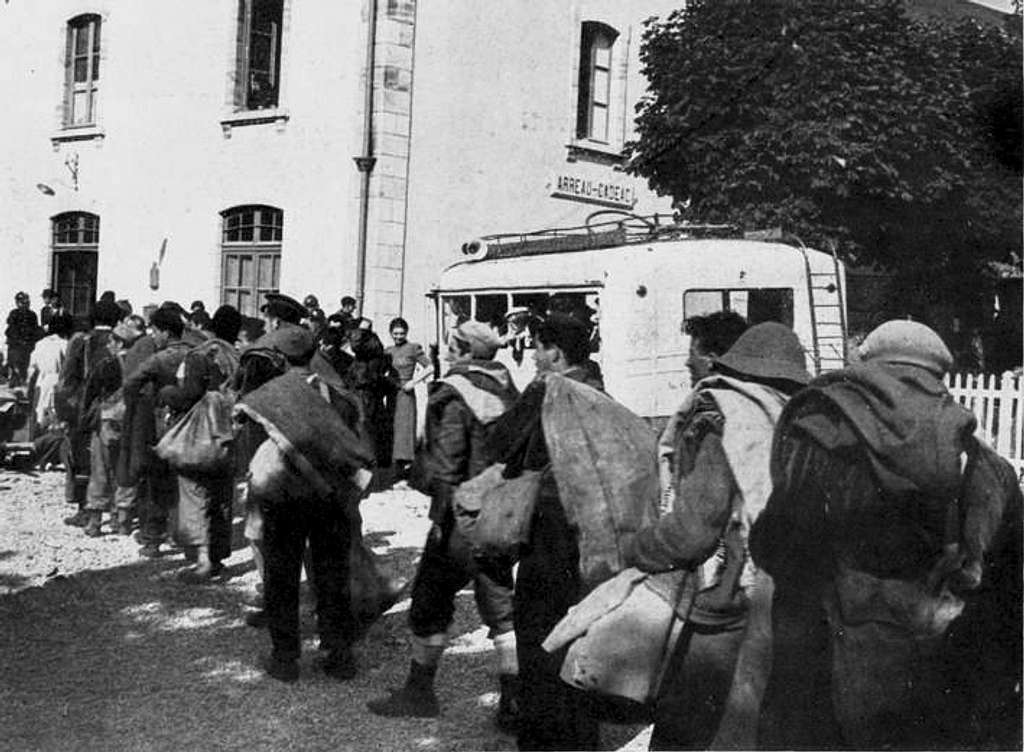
[
  {"x": 250, "y": 255},
  {"x": 82, "y": 70},
  {"x": 258, "y": 67},
  {"x": 75, "y": 243}
]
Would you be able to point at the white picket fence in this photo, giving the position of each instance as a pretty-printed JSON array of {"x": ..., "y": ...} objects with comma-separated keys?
[{"x": 996, "y": 401}]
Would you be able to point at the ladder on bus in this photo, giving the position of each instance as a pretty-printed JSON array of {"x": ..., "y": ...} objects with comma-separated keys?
[{"x": 828, "y": 315}]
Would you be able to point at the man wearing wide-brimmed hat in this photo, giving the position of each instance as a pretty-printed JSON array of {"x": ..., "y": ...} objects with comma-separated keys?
[
  {"x": 720, "y": 439},
  {"x": 893, "y": 537}
]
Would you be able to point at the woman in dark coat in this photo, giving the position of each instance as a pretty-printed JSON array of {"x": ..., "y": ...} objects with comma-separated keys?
[
  {"x": 404, "y": 356},
  {"x": 367, "y": 377}
]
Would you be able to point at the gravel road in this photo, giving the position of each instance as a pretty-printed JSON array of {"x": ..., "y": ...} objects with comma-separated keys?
[{"x": 102, "y": 650}]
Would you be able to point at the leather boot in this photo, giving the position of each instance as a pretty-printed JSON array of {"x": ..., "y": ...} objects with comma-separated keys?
[
  {"x": 507, "y": 718},
  {"x": 78, "y": 519},
  {"x": 415, "y": 700},
  {"x": 93, "y": 520}
]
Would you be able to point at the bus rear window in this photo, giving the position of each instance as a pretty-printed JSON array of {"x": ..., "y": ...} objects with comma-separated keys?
[{"x": 753, "y": 304}]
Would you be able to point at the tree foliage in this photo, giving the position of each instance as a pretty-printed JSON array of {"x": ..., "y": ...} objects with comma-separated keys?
[{"x": 845, "y": 123}]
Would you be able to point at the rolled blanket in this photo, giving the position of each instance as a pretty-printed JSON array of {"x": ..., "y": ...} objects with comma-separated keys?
[{"x": 310, "y": 432}]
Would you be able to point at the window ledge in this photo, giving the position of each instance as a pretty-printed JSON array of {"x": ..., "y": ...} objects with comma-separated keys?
[
  {"x": 77, "y": 133},
  {"x": 254, "y": 117},
  {"x": 594, "y": 151}
]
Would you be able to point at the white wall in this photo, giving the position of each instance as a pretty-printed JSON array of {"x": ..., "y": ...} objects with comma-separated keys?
[{"x": 164, "y": 167}]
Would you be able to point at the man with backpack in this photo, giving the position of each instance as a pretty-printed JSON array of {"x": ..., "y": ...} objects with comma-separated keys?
[
  {"x": 159, "y": 370},
  {"x": 461, "y": 410},
  {"x": 204, "y": 502},
  {"x": 893, "y": 536}
]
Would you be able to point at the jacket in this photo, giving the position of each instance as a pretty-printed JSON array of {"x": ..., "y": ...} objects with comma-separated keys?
[{"x": 461, "y": 410}]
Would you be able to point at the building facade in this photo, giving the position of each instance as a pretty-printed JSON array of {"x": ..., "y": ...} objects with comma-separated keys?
[
  {"x": 520, "y": 114},
  {"x": 236, "y": 148}
]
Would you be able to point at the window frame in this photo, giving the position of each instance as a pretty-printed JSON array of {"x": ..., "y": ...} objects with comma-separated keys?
[
  {"x": 595, "y": 37},
  {"x": 243, "y": 96},
  {"x": 92, "y": 24},
  {"x": 787, "y": 307},
  {"x": 86, "y": 241},
  {"x": 256, "y": 250}
]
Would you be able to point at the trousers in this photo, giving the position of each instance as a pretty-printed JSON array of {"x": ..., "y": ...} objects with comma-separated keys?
[
  {"x": 446, "y": 567},
  {"x": 292, "y": 517}
]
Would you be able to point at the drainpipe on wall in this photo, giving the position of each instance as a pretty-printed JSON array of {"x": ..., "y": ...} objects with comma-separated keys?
[{"x": 366, "y": 161}]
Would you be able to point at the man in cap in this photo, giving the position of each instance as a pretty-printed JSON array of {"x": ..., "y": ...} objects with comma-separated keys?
[
  {"x": 894, "y": 540},
  {"x": 282, "y": 309},
  {"x": 306, "y": 477},
  {"x": 719, "y": 442},
  {"x": 461, "y": 409},
  {"x": 514, "y": 344},
  {"x": 22, "y": 333}
]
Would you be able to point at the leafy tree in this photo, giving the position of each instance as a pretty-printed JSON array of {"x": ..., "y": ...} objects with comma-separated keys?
[{"x": 899, "y": 141}]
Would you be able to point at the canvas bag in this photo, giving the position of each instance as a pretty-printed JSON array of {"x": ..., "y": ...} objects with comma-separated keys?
[
  {"x": 622, "y": 636},
  {"x": 200, "y": 443},
  {"x": 493, "y": 512},
  {"x": 604, "y": 461}
]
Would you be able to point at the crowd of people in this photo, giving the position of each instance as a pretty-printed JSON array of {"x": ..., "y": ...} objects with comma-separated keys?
[{"x": 850, "y": 551}]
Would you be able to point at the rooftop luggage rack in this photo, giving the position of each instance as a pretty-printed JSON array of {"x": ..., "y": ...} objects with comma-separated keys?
[{"x": 625, "y": 229}]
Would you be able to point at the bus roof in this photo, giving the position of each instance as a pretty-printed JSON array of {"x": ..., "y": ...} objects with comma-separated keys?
[{"x": 588, "y": 268}]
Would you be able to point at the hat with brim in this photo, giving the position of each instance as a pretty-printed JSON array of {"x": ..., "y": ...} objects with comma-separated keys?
[
  {"x": 768, "y": 350},
  {"x": 517, "y": 311},
  {"x": 284, "y": 307}
]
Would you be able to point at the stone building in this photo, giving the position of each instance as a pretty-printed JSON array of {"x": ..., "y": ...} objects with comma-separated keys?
[{"x": 223, "y": 149}]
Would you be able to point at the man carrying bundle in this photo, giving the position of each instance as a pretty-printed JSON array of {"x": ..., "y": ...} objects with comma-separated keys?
[{"x": 306, "y": 477}]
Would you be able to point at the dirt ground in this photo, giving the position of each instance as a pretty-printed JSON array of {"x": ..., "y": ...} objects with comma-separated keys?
[{"x": 103, "y": 650}]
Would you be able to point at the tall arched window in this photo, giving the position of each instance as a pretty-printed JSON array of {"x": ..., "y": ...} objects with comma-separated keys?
[
  {"x": 82, "y": 70},
  {"x": 595, "y": 81},
  {"x": 251, "y": 255},
  {"x": 75, "y": 244}
]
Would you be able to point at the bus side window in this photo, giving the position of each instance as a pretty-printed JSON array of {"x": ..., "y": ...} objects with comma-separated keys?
[
  {"x": 537, "y": 302},
  {"x": 491, "y": 310},
  {"x": 755, "y": 304}
]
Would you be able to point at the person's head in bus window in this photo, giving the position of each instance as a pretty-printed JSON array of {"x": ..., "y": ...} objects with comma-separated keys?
[
  {"x": 710, "y": 337},
  {"x": 563, "y": 342}
]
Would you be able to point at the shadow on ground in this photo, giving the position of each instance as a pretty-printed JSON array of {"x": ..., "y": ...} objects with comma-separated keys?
[{"x": 129, "y": 658}]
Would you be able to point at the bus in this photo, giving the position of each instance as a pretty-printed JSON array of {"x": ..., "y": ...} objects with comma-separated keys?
[{"x": 638, "y": 281}]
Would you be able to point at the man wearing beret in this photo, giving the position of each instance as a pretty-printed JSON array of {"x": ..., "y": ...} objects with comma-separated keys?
[
  {"x": 461, "y": 409},
  {"x": 307, "y": 478},
  {"x": 893, "y": 536}
]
